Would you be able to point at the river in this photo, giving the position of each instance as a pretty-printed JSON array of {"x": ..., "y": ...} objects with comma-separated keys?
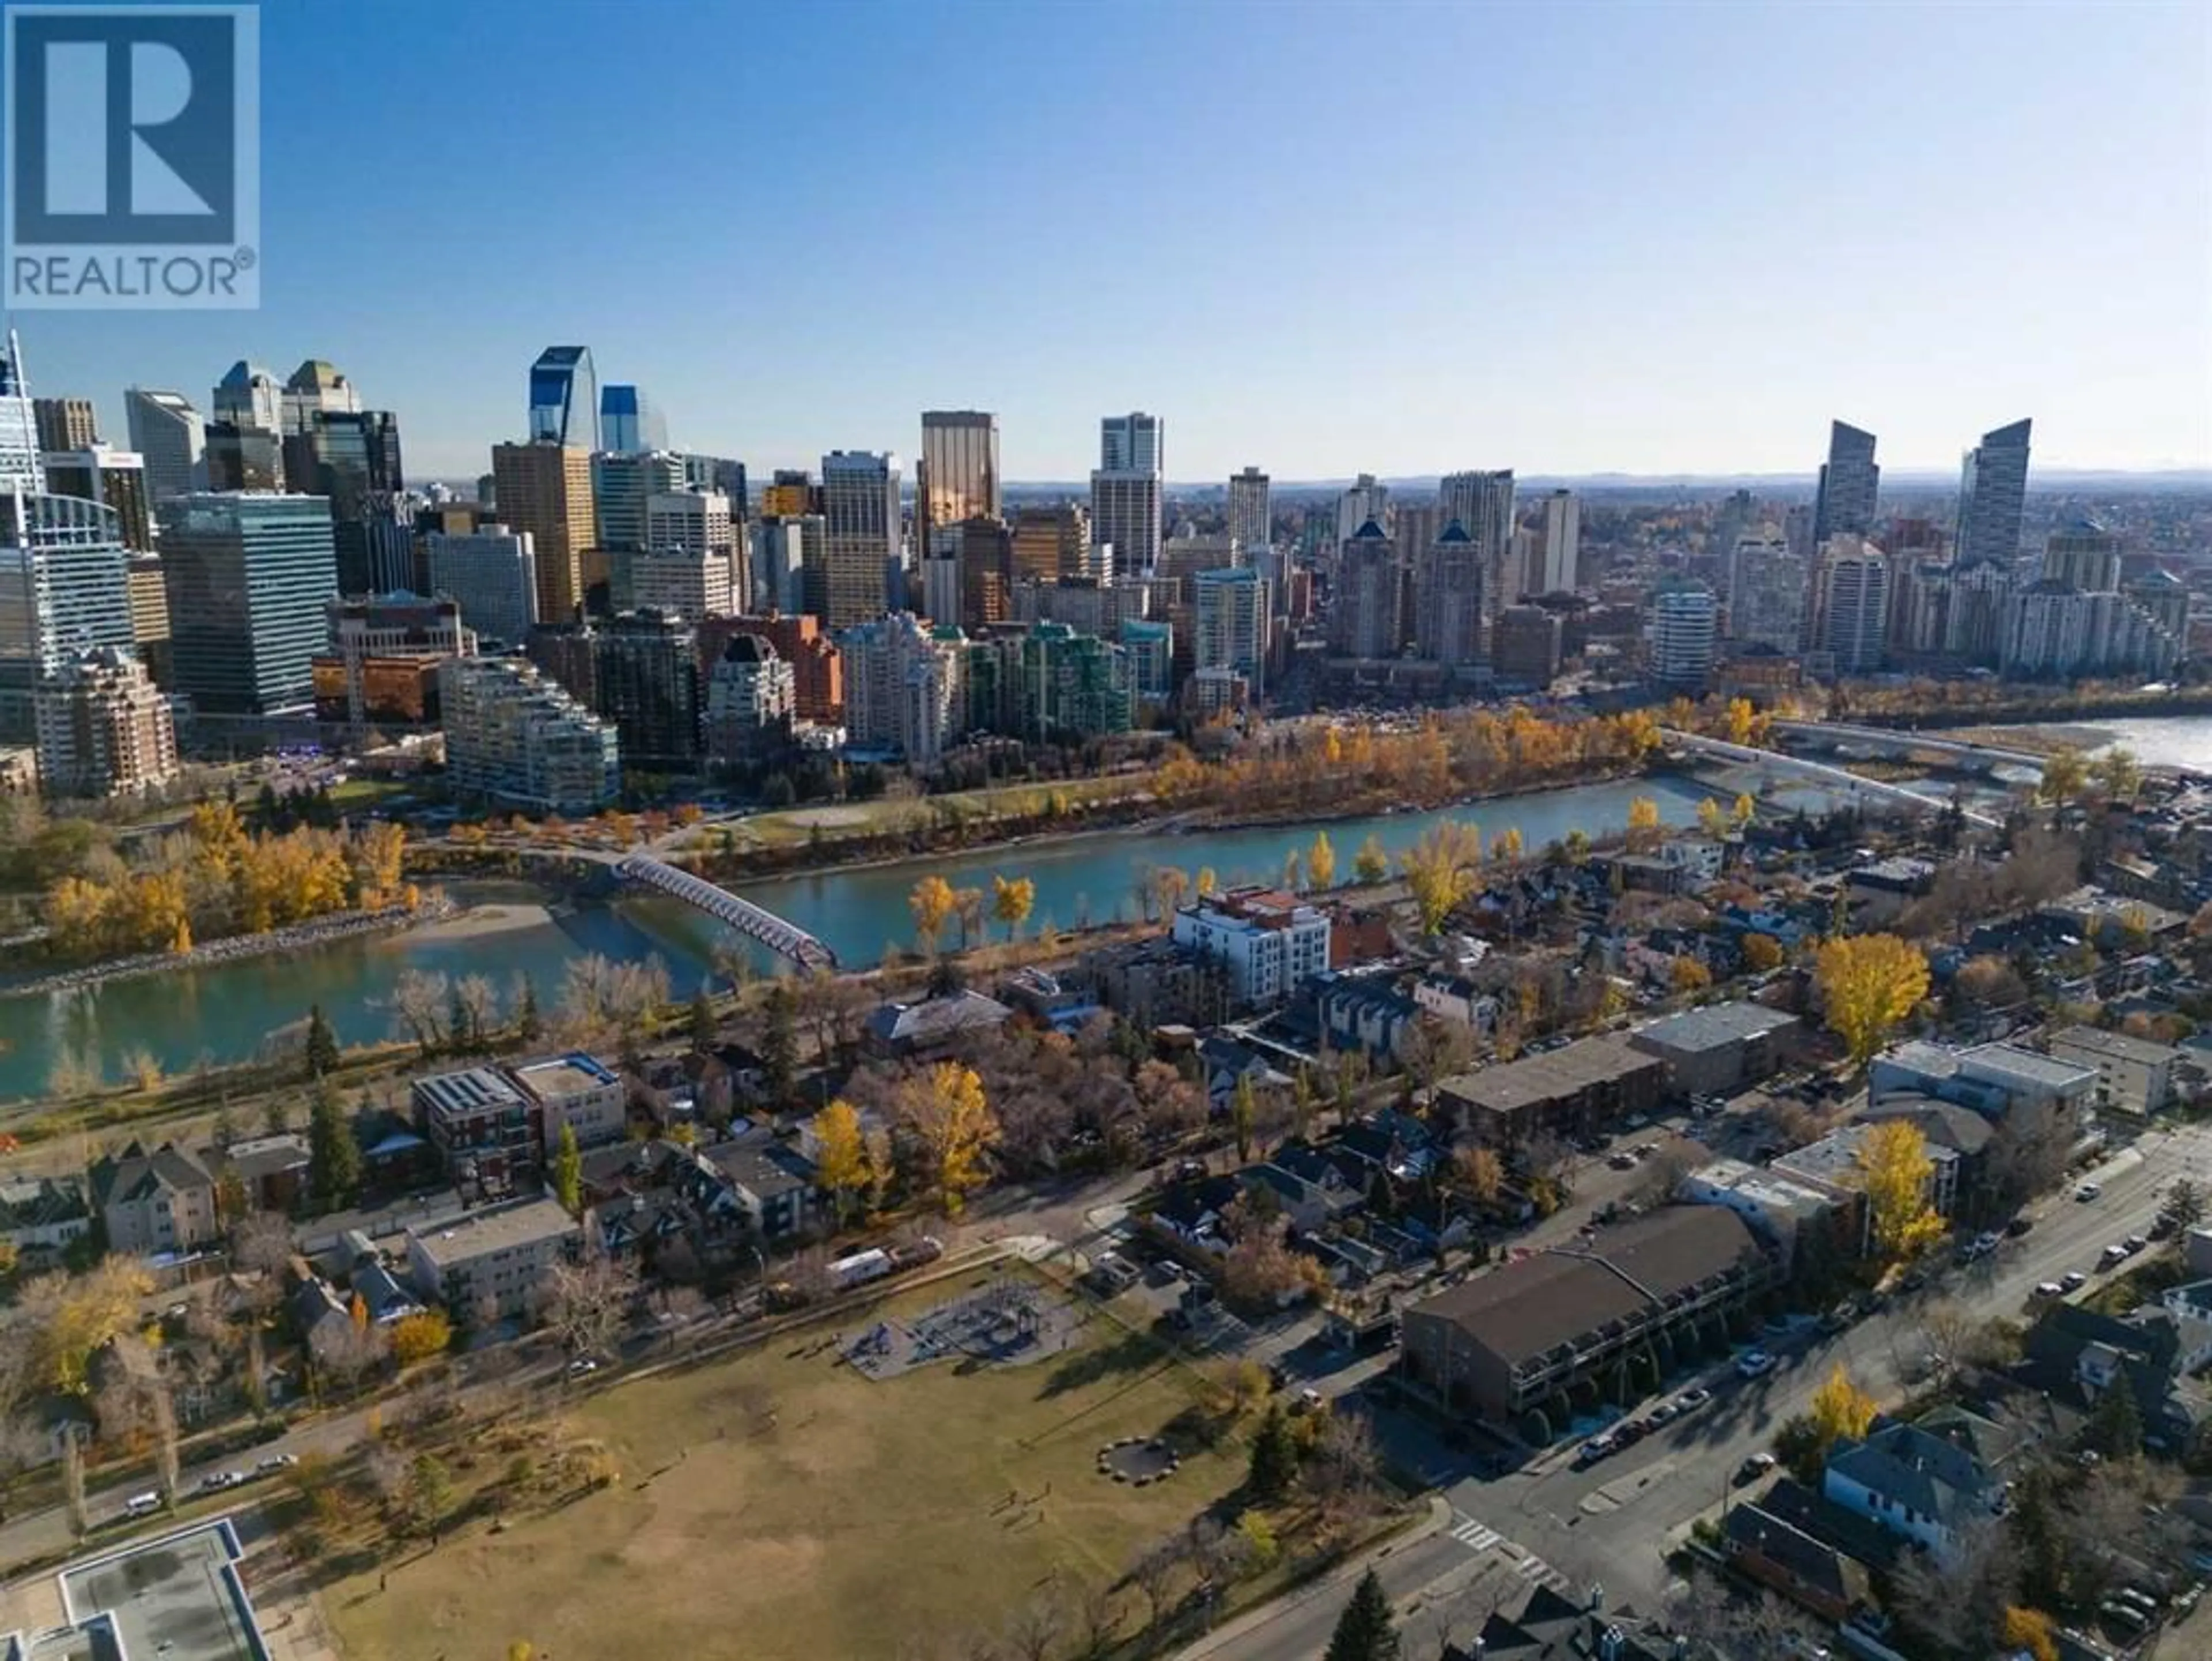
[{"x": 224, "y": 1012}]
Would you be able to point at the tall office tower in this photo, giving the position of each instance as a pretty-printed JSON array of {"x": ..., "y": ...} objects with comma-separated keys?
[
  {"x": 1229, "y": 613},
  {"x": 2083, "y": 555},
  {"x": 1992, "y": 491},
  {"x": 1850, "y": 604},
  {"x": 629, "y": 421},
  {"x": 564, "y": 398},
  {"x": 1251, "y": 508},
  {"x": 790, "y": 495},
  {"x": 678, "y": 581},
  {"x": 114, "y": 478},
  {"x": 1766, "y": 594},
  {"x": 623, "y": 485},
  {"x": 315, "y": 389},
  {"x": 512, "y": 736},
  {"x": 244, "y": 457},
  {"x": 545, "y": 490},
  {"x": 1365, "y": 618},
  {"x": 1797, "y": 530},
  {"x": 248, "y": 395},
  {"x": 1483, "y": 502},
  {"x": 1447, "y": 579},
  {"x": 904, "y": 688},
  {"x": 957, "y": 476},
  {"x": 65, "y": 423},
  {"x": 980, "y": 553},
  {"x": 19, "y": 425},
  {"x": 149, "y": 600},
  {"x": 752, "y": 699},
  {"x": 700, "y": 525},
  {"x": 1183, "y": 558},
  {"x": 492, "y": 573},
  {"x": 645, "y": 678},
  {"x": 167, "y": 432},
  {"x": 860, "y": 536},
  {"x": 1126, "y": 489},
  {"x": 1526, "y": 645},
  {"x": 249, "y": 578},
  {"x": 352, "y": 458},
  {"x": 65, "y": 589},
  {"x": 1685, "y": 623},
  {"x": 1521, "y": 572},
  {"x": 1850, "y": 487},
  {"x": 103, "y": 728},
  {"x": 1562, "y": 559},
  {"x": 1051, "y": 543},
  {"x": 779, "y": 563}
]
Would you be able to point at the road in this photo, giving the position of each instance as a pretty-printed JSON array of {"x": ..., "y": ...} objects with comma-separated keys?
[{"x": 1611, "y": 1524}]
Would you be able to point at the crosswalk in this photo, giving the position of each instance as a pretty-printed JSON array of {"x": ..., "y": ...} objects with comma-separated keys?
[{"x": 1478, "y": 1536}]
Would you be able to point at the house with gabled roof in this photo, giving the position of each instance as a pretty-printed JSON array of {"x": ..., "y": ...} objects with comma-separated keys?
[
  {"x": 156, "y": 1203},
  {"x": 1917, "y": 1483}
]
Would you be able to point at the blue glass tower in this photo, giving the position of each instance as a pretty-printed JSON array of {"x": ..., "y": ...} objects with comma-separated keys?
[
  {"x": 564, "y": 397},
  {"x": 629, "y": 422}
]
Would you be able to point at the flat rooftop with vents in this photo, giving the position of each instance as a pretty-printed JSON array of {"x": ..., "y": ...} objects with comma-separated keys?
[{"x": 178, "y": 1596}]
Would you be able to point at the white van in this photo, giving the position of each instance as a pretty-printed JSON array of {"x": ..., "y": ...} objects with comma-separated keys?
[{"x": 142, "y": 1505}]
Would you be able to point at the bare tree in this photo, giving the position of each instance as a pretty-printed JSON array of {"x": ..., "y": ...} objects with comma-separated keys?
[
  {"x": 1034, "y": 1630},
  {"x": 478, "y": 1001},
  {"x": 23, "y": 1447},
  {"x": 1343, "y": 1472},
  {"x": 1098, "y": 1623},
  {"x": 80, "y": 1518},
  {"x": 1153, "y": 1572},
  {"x": 419, "y": 999},
  {"x": 1957, "y": 1604},
  {"x": 166, "y": 1462},
  {"x": 587, "y": 1303}
]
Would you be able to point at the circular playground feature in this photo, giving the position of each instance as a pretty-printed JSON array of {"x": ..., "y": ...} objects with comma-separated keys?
[{"x": 1139, "y": 1461}]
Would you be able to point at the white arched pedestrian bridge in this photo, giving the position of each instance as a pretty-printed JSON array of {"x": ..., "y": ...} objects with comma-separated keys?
[
  {"x": 1819, "y": 773},
  {"x": 754, "y": 922}
]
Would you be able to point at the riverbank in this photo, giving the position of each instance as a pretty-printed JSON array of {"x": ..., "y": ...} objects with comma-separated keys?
[{"x": 344, "y": 925}]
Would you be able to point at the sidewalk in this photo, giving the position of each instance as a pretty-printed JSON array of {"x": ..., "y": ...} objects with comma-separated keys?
[{"x": 1331, "y": 1586}]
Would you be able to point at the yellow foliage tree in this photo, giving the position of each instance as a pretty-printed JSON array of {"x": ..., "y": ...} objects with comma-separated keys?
[
  {"x": 1746, "y": 810},
  {"x": 1840, "y": 1409},
  {"x": 71, "y": 1316},
  {"x": 842, "y": 1164},
  {"x": 1866, "y": 985},
  {"x": 418, "y": 1338},
  {"x": 1643, "y": 823},
  {"x": 1442, "y": 869},
  {"x": 1506, "y": 846},
  {"x": 1207, "y": 884},
  {"x": 2032, "y": 1630},
  {"x": 933, "y": 903},
  {"x": 1761, "y": 952},
  {"x": 1688, "y": 975},
  {"x": 2065, "y": 774},
  {"x": 1742, "y": 721},
  {"x": 1711, "y": 820},
  {"x": 1894, "y": 1170},
  {"x": 1320, "y": 861},
  {"x": 1010, "y": 900},
  {"x": 1371, "y": 864},
  {"x": 949, "y": 1114}
]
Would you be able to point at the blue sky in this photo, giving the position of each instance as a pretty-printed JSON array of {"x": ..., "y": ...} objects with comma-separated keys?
[{"x": 1320, "y": 237}]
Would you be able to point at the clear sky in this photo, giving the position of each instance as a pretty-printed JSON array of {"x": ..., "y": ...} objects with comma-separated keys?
[{"x": 1322, "y": 237}]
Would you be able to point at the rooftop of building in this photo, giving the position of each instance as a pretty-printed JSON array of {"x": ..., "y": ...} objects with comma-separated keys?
[
  {"x": 1714, "y": 1026},
  {"x": 1770, "y": 1189},
  {"x": 497, "y": 1228},
  {"x": 471, "y": 1089},
  {"x": 557, "y": 1076},
  {"x": 2118, "y": 1046},
  {"x": 1537, "y": 1078},
  {"x": 138, "y": 1174},
  {"x": 178, "y": 1596},
  {"x": 268, "y": 1156}
]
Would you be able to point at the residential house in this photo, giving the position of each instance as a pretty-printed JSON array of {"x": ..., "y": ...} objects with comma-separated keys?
[
  {"x": 1720, "y": 1048},
  {"x": 1189, "y": 1214},
  {"x": 1227, "y": 1061},
  {"x": 930, "y": 1029},
  {"x": 273, "y": 1171},
  {"x": 2134, "y": 1075},
  {"x": 1916, "y": 1482},
  {"x": 1589, "y": 1086},
  {"x": 1509, "y": 1345},
  {"x": 1366, "y": 1013},
  {"x": 491, "y": 1264},
  {"x": 1456, "y": 998},
  {"x": 43, "y": 1214},
  {"x": 1878, "y": 893},
  {"x": 773, "y": 1183},
  {"x": 1554, "y": 1627},
  {"x": 156, "y": 1204},
  {"x": 2077, "y": 1353},
  {"x": 1778, "y": 1555},
  {"x": 1310, "y": 1188}
]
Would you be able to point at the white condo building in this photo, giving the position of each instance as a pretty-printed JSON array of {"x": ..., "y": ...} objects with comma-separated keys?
[
  {"x": 1684, "y": 623},
  {"x": 1229, "y": 624},
  {"x": 1268, "y": 941},
  {"x": 1562, "y": 544}
]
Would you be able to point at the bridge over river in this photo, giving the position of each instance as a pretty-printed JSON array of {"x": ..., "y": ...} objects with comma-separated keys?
[{"x": 755, "y": 922}]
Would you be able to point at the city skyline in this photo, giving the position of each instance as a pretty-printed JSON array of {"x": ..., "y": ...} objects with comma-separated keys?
[{"x": 1725, "y": 287}]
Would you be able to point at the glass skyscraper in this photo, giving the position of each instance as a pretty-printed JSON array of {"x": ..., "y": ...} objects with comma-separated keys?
[
  {"x": 958, "y": 474},
  {"x": 564, "y": 397},
  {"x": 248, "y": 579},
  {"x": 1850, "y": 485},
  {"x": 1992, "y": 491},
  {"x": 629, "y": 421},
  {"x": 168, "y": 433}
]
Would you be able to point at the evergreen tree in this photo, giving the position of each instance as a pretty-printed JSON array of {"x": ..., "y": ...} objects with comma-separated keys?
[
  {"x": 703, "y": 1020},
  {"x": 1275, "y": 1456},
  {"x": 460, "y": 1037},
  {"x": 529, "y": 1025},
  {"x": 2115, "y": 1428},
  {"x": 334, "y": 1155},
  {"x": 1365, "y": 1631},
  {"x": 569, "y": 1172},
  {"x": 322, "y": 1044},
  {"x": 780, "y": 1044}
]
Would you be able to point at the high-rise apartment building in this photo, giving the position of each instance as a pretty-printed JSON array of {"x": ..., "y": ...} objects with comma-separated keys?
[
  {"x": 629, "y": 421},
  {"x": 1127, "y": 489},
  {"x": 564, "y": 399},
  {"x": 860, "y": 536},
  {"x": 1483, "y": 503},
  {"x": 752, "y": 699},
  {"x": 103, "y": 728},
  {"x": 1251, "y": 508},
  {"x": 1850, "y": 487},
  {"x": 546, "y": 491},
  {"x": 513, "y": 736},
  {"x": 818, "y": 666},
  {"x": 1230, "y": 624},
  {"x": 2082, "y": 556},
  {"x": 1366, "y": 500},
  {"x": 1974, "y": 623},
  {"x": 2054, "y": 632},
  {"x": 1560, "y": 568},
  {"x": 1365, "y": 617},
  {"x": 114, "y": 478},
  {"x": 1685, "y": 624},
  {"x": 492, "y": 573},
  {"x": 1526, "y": 647},
  {"x": 167, "y": 432},
  {"x": 646, "y": 680},
  {"x": 904, "y": 688},
  {"x": 1416, "y": 527},
  {"x": 249, "y": 578},
  {"x": 1849, "y": 620},
  {"x": 65, "y": 423},
  {"x": 1448, "y": 584},
  {"x": 957, "y": 477},
  {"x": 1992, "y": 492},
  {"x": 1766, "y": 594},
  {"x": 780, "y": 558},
  {"x": 149, "y": 600},
  {"x": 1052, "y": 542}
]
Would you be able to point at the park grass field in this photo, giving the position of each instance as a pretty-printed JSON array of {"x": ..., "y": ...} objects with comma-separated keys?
[{"x": 774, "y": 1505}]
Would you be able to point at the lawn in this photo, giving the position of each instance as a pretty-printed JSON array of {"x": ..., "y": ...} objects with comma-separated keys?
[{"x": 776, "y": 1505}]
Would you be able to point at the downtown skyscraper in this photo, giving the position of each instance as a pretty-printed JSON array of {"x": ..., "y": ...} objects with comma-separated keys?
[
  {"x": 167, "y": 431},
  {"x": 1850, "y": 487},
  {"x": 1482, "y": 502},
  {"x": 564, "y": 398},
  {"x": 1251, "y": 511},
  {"x": 860, "y": 538},
  {"x": 1127, "y": 489},
  {"x": 957, "y": 476},
  {"x": 1992, "y": 491}
]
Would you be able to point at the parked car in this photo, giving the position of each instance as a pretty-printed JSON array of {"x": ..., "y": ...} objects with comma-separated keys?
[
  {"x": 2136, "y": 1598},
  {"x": 1591, "y": 1451},
  {"x": 2019, "y": 1225},
  {"x": 2127, "y": 1620},
  {"x": 2073, "y": 1280},
  {"x": 2087, "y": 1192},
  {"x": 1755, "y": 1364},
  {"x": 142, "y": 1505},
  {"x": 2048, "y": 1289},
  {"x": 2115, "y": 1253},
  {"x": 1628, "y": 1434},
  {"x": 2134, "y": 1243},
  {"x": 1756, "y": 1466},
  {"x": 275, "y": 1461},
  {"x": 1691, "y": 1400},
  {"x": 1661, "y": 1415},
  {"x": 582, "y": 1367}
]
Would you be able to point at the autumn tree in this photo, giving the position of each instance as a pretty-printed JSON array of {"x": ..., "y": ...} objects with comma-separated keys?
[
  {"x": 2029, "y": 1632},
  {"x": 1839, "y": 1409},
  {"x": 419, "y": 1337},
  {"x": 1478, "y": 1172},
  {"x": 1867, "y": 984},
  {"x": 1643, "y": 826},
  {"x": 2116, "y": 775},
  {"x": 1371, "y": 864},
  {"x": 933, "y": 903},
  {"x": 1761, "y": 952},
  {"x": 2065, "y": 775},
  {"x": 69, "y": 1317},
  {"x": 1321, "y": 862},
  {"x": 949, "y": 1114},
  {"x": 1442, "y": 869},
  {"x": 841, "y": 1165},
  {"x": 1894, "y": 1170},
  {"x": 1746, "y": 810},
  {"x": 1711, "y": 819},
  {"x": 569, "y": 1171},
  {"x": 1010, "y": 900}
]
